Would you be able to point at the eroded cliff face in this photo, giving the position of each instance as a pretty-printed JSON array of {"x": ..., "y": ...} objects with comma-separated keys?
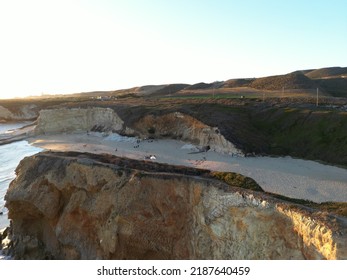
[
  {"x": 79, "y": 206},
  {"x": 78, "y": 120},
  {"x": 174, "y": 125},
  {"x": 181, "y": 126},
  {"x": 25, "y": 112}
]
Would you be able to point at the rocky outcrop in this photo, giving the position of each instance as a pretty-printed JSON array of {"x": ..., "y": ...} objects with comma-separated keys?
[
  {"x": 78, "y": 120},
  {"x": 174, "y": 125},
  {"x": 181, "y": 126},
  {"x": 83, "y": 206},
  {"x": 5, "y": 242},
  {"x": 25, "y": 112},
  {"x": 5, "y": 113}
]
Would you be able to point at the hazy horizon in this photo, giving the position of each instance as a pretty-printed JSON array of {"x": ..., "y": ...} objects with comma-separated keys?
[
  {"x": 64, "y": 47},
  {"x": 134, "y": 86}
]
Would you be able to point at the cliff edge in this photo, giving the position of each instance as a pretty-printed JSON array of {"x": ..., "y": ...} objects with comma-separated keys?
[
  {"x": 173, "y": 126},
  {"x": 84, "y": 206},
  {"x": 181, "y": 126},
  {"x": 78, "y": 120}
]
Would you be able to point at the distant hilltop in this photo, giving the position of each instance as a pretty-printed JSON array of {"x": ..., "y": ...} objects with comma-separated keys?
[{"x": 331, "y": 80}]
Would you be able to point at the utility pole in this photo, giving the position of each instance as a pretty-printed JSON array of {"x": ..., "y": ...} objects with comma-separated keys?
[
  {"x": 214, "y": 88},
  {"x": 317, "y": 97}
]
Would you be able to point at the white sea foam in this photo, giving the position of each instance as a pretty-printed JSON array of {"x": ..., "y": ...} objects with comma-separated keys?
[
  {"x": 5, "y": 128},
  {"x": 10, "y": 156}
]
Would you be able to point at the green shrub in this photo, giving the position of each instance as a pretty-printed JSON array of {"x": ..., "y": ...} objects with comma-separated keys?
[{"x": 237, "y": 180}]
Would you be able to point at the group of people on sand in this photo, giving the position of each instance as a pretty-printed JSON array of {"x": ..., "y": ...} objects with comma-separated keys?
[
  {"x": 138, "y": 141},
  {"x": 199, "y": 161}
]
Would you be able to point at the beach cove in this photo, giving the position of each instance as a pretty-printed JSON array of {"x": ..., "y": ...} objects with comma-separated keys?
[{"x": 287, "y": 176}]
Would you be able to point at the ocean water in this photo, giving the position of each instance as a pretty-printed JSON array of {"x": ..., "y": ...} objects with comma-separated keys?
[
  {"x": 8, "y": 127},
  {"x": 10, "y": 156}
]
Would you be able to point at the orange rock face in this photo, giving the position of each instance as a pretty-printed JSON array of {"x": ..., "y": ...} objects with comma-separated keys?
[
  {"x": 79, "y": 206},
  {"x": 181, "y": 126}
]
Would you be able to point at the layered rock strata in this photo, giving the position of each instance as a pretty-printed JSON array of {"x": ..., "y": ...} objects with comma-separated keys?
[
  {"x": 184, "y": 127},
  {"x": 174, "y": 125},
  {"x": 78, "y": 120},
  {"x": 83, "y": 206}
]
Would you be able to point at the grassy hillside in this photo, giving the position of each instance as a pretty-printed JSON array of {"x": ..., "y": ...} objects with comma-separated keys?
[
  {"x": 170, "y": 89},
  {"x": 316, "y": 134},
  {"x": 237, "y": 83},
  {"x": 335, "y": 86},
  {"x": 327, "y": 72},
  {"x": 309, "y": 133},
  {"x": 289, "y": 81},
  {"x": 198, "y": 86}
]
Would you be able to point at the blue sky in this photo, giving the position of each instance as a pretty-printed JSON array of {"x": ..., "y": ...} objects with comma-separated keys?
[{"x": 73, "y": 46}]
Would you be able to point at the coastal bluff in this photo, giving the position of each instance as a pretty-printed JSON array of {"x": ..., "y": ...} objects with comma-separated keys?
[
  {"x": 23, "y": 113},
  {"x": 174, "y": 125},
  {"x": 69, "y": 120},
  {"x": 181, "y": 126},
  {"x": 85, "y": 206}
]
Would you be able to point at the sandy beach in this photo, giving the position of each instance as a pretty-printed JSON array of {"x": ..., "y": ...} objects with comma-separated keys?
[{"x": 286, "y": 176}]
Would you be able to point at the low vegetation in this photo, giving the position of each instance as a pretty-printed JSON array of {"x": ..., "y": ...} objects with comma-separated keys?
[
  {"x": 237, "y": 180},
  {"x": 336, "y": 208},
  {"x": 310, "y": 133}
]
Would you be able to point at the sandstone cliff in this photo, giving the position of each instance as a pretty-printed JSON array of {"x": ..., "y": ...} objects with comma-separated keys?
[
  {"x": 181, "y": 126},
  {"x": 83, "y": 206},
  {"x": 174, "y": 125},
  {"x": 25, "y": 112},
  {"x": 76, "y": 119}
]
